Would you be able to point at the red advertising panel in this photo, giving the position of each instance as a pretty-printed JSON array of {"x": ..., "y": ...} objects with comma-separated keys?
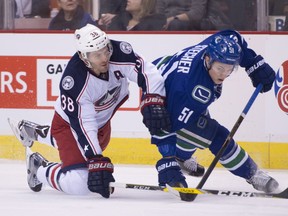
[
  {"x": 31, "y": 82},
  {"x": 18, "y": 82}
]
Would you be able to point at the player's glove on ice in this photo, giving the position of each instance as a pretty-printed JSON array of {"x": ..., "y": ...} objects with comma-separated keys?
[
  {"x": 100, "y": 175},
  {"x": 261, "y": 72},
  {"x": 155, "y": 115},
  {"x": 170, "y": 173}
]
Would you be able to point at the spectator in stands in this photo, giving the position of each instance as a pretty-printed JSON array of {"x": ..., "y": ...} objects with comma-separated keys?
[
  {"x": 217, "y": 16},
  {"x": 109, "y": 9},
  {"x": 32, "y": 8},
  {"x": 139, "y": 16},
  {"x": 71, "y": 16},
  {"x": 182, "y": 15}
]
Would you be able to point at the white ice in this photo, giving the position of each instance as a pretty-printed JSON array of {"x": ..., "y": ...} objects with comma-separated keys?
[{"x": 18, "y": 200}]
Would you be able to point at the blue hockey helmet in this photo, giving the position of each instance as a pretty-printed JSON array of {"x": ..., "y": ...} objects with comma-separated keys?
[{"x": 225, "y": 50}]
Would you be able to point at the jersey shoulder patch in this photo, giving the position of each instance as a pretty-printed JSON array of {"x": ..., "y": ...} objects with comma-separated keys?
[{"x": 122, "y": 52}]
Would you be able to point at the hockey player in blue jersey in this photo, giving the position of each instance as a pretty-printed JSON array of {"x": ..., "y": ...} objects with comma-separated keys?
[{"x": 193, "y": 80}]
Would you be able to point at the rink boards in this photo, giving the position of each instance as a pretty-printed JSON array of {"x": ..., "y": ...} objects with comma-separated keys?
[
  {"x": 32, "y": 64},
  {"x": 140, "y": 151}
]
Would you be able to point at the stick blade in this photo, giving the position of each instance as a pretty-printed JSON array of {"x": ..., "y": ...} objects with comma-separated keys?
[
  {"x": 184, "y": 196},
  {"x": 283, "y": 194}
]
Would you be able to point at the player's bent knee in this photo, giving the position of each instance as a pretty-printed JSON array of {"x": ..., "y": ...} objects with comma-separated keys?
[{"x": 74, "y": 182}]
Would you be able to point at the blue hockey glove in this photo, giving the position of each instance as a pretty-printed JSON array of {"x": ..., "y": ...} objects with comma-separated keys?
[
  {"x": 170, "y": 173},
  {"x": 261, "y": 72},
  {"x": 100, "y": 175},
  {"x": 155, "y": 115}
]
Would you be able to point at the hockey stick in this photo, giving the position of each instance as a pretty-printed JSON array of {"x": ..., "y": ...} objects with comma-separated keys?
[
  {"x": 193, "y": 191},
  {"x": 155, "y": 188},
  {"x": 228, "y": 139}
]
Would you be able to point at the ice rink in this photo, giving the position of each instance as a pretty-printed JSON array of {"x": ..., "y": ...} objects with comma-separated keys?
[{"x": 18, "y": 200}]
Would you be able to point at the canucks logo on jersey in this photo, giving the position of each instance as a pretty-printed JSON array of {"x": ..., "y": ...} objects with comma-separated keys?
[{"x": 201, "y": 94}]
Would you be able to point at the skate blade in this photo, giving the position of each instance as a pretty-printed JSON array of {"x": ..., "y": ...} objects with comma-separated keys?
[
  {"x": 14, "y": 128},
  {"x": 16, "y": 131}
]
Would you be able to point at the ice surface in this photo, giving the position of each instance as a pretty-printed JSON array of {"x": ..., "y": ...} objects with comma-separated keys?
[{"x": 17, "y": 199}]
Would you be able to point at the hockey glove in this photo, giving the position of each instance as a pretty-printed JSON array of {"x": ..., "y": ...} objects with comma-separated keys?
[
  {"x": 155, "y": 115},
  {"x": 170, "y": 173},
  {"x": 100, "y": 175},
  {"x": 261, "y": 72}
]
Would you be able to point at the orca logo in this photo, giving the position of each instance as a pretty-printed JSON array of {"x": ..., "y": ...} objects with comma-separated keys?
[
  {"x": 202, "y": 122},
  {"x": 281, "y": 87},
  {"x": 201, "y": 94}
]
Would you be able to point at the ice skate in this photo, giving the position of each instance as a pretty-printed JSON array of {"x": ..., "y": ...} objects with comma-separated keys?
[
  {"x": 33, "y": 162},
  {"x": 191, "y": 167},
  {"x": 263, "y": 182},
  {"x": 27, "y": 132}
]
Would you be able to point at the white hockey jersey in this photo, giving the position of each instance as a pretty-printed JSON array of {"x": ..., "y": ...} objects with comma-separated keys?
[{"x": 87, "y": 102}]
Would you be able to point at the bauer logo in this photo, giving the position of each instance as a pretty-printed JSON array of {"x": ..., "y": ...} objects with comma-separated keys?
[{"x": 281, "y": 87}]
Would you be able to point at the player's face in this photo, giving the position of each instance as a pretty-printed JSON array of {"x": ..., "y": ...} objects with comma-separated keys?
[
  {"x": 220, "y": 71},
  {"x": 99, "y": 60}
]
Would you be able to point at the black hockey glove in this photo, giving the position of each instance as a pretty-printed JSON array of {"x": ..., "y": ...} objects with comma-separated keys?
[
  {"x": 170, "y": 173},
  {"x": 261, "y": 72},
  {"x": 155, "y": 115},
  {"x": 100, "y": 175}
]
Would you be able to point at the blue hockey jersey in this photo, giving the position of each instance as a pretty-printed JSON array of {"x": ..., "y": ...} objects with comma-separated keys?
[{"x": 189, "y": 88}]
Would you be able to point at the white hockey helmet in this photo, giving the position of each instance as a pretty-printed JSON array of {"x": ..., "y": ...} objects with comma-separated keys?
[{"x": 89, "y": 39}]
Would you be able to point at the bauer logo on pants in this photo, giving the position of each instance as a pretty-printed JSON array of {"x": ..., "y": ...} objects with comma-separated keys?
[{"x": 281, "y": 87}]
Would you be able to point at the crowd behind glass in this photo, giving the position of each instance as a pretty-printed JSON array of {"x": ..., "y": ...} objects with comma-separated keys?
[{"x": 244, "y": 15}]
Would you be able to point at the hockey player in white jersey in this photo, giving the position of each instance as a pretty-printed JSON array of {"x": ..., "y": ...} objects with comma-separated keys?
[
  {"x": 93, "y": 86},
  {"x": 193, "y": 80}
]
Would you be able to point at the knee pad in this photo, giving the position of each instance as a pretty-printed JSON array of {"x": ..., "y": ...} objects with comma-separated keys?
[{"x": 74, "y": 182}]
